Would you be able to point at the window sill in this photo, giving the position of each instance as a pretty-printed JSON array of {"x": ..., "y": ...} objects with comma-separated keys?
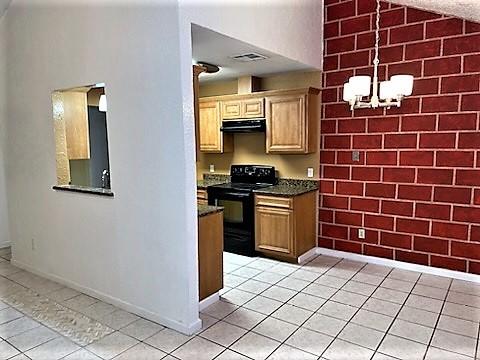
[{"x": 85, "y": 190}]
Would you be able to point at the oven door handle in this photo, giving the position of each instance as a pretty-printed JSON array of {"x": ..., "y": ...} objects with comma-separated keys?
[{"x": 233, "y": 194}]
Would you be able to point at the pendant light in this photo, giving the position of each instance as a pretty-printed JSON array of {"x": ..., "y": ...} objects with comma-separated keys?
[
  {"x": 357, "y": 92},
  {"x": 102, "y": 105}
]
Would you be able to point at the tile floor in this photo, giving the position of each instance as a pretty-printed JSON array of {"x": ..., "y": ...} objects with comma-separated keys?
[{"x": 327, "y": 309}]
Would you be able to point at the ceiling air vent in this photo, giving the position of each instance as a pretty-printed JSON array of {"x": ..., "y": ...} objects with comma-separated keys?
[{"x": 249, "y": 57}]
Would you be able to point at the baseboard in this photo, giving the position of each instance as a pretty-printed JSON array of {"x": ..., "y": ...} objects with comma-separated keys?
[
  {"x": 172, "y": 324},
  {"x": 208, "y": 301},
  {"x": 4, "y": 244},
  {"x": 307, "y": 256},
  {"x": 400, "y": 264}
]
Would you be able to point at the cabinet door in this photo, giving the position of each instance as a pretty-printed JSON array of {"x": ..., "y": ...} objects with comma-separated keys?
[
  {"x": 286, "y": 124},
  {"x": 76, "y": 125},
  {"x": 253, "y": 108},
  {"x": 232, "y": 110},
  {"x": 209, "y": 127},
  {"x": 274, "y": 230}
]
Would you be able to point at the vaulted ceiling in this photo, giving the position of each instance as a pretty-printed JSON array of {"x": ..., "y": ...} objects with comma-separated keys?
[{"x": 467, "y": 9}]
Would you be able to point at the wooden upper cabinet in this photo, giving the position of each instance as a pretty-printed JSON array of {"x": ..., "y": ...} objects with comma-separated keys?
[
  {"x": 253, "y": 108},
  {"x": 243, "y": 109},
  {"x": 292, "y": 123},
  {"x": 286, "y": 124},
  {"x": 210, "y": 121},
  {"x": 232, "y": 109},
  {"x": 292, "y": 119},
  {"x": 76, "y": 125}
]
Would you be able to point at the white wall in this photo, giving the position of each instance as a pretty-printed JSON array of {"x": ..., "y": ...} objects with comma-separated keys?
[
  {"x": 138, "y": 248},
  {"x": 4, "y": 235}
]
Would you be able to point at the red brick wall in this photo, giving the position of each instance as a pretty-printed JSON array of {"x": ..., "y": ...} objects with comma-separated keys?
[{"x": 416, "y": 188}]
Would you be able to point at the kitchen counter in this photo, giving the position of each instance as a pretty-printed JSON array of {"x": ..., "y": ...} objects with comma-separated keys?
[
  {"x": 204, "y": 210},
  {"x": 289, "y": 187},
  {"x": 285, "y": 187},
  {"x": 212, "y": 179}
]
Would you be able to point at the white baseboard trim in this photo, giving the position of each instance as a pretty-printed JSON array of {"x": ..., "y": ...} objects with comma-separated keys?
[
  {"x": 208, "y": 301},
  {"x": 400, "y": 264},
  {"x": 4, "y": 244},
  {"x": 172, "y": 324},
  {"x": 307, "y": 256}
]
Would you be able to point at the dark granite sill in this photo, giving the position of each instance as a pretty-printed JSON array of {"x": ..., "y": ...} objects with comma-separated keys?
[{"x": 84, "y": 190}]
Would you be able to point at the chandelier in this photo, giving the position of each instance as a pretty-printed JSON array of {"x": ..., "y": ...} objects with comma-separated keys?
[{"x": 389, "y": 94}]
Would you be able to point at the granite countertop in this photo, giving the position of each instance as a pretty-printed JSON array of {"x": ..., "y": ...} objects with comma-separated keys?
[
  {"x": 285, "y": 187},
  {"x": 212, "y": 179},
  {"x": 289, "y": 187},
  {"x": 204, "y": 210}
]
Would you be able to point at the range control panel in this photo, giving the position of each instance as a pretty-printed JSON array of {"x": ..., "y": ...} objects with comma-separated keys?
[{"x": 253, "y": 174}]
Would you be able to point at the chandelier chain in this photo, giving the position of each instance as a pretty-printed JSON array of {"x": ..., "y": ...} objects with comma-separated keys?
[{"x": 377, "y": 35}]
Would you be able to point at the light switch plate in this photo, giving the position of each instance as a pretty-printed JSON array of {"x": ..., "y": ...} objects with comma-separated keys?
[
  {"x": 361, "y": 233},
  {"x": 356, "y": 155},
  {"x": 310, "y": 172},
  {"x": 212, "y": 168}
]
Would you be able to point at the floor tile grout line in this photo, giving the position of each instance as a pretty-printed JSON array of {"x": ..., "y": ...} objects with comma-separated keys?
[
  {"x": 349, "y": 321},
  {"x": 478, "y": 342},
  {"x": 316, "y": 312},
  {"x": 385, "y": 277},
  {"x": 438, "y": 320},
  {"x": 270, "y": 315},
  {"x": 55, "y": 331},
  {"x": 299, "y": 291},
  {"x": 396, "y": 317},
  {"x": 241, "y": 306}
]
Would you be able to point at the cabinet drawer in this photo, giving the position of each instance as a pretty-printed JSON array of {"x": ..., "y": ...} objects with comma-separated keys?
[
  {"x": 231, "y": 110},
  {"x": 253, "y": 108},
  {"x": 274, "y": 201},
  {"x": 202, "y": 194}
]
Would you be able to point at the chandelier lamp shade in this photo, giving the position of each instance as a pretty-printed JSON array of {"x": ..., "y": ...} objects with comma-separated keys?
[{"x": 358, "y": 90}]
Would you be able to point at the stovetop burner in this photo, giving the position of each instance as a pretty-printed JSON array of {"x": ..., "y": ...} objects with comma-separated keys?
[
  {"x": 241, "y": 186},
  {"x": 247, "y": 178}
]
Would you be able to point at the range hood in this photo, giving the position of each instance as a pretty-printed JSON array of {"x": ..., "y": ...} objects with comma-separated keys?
[{"x": 243, "y": 126}]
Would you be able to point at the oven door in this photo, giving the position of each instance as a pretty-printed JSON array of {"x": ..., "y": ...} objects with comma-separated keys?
[{"x": 238, "y": 215}]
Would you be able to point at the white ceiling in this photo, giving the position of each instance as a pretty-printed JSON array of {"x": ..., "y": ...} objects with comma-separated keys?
[
  {"x": 467, "y": 9},
  {"x": 3, "y": 6},
  {"x": 215, "y": 48}
]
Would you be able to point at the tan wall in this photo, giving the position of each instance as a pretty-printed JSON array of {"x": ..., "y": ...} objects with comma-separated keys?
[{"x": 250, "y": 148}]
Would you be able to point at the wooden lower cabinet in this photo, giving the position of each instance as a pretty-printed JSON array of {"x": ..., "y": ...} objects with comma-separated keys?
[
  {"x": 285, "y": 226},
  {"x": 210, "y": 254},
  {"x": 274, "y": 230},
  {"x": 202, "y": 197}
]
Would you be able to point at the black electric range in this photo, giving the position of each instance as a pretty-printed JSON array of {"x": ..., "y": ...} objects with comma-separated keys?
[{"x": 237, "y": 198}]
